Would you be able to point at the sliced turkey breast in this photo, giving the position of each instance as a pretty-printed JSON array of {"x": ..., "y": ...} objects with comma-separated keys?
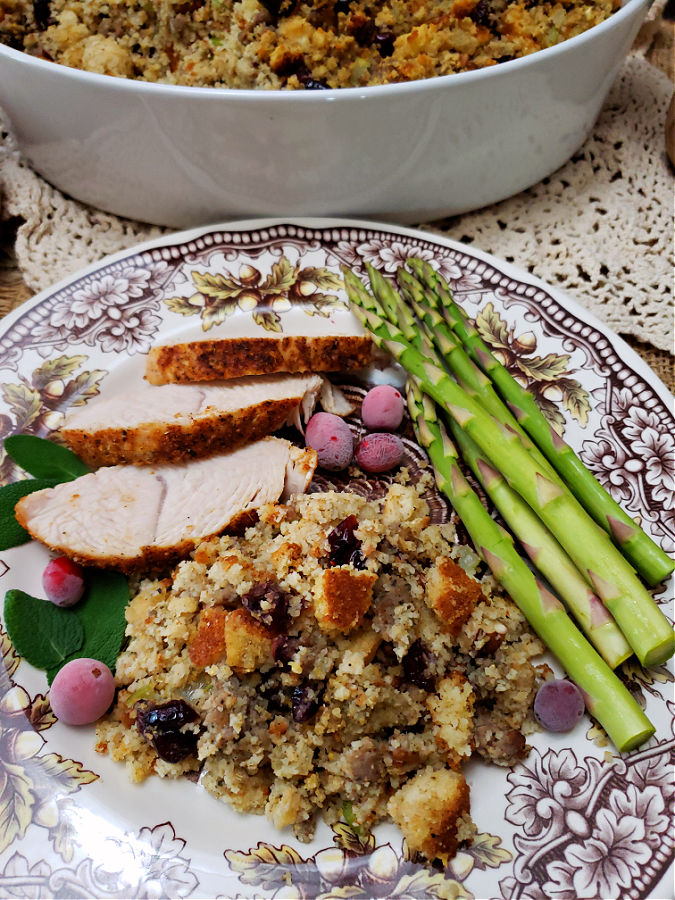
[
  {"x": 174, "y": 422},
  {"x": 139, "y": 518},
  {"x": 210, "y": 360}
]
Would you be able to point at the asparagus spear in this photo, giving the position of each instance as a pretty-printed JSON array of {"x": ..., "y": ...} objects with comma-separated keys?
[
  {"x": 607, "y": 698},
  {"x": 474, "y": 381},
  {"x": 642, "y": 622},
  {"x": 648, "y": 558},
  {"x": 547, "y": 555},
  {"x": 542, "y": 548}
]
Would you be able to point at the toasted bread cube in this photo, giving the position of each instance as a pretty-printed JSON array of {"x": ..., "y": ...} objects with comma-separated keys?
[
  {"x": 248, "y": 644},
  {"x": 432, "y": 810},
  {"x": 451, "y": 593},
  {"x": 343, "y": 597},
  {"x": 208, "y": 644},
  {"x": 451, "y": 709}
]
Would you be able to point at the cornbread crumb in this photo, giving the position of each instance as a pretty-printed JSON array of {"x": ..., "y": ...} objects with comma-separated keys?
[
  {"x": 451, "y": 710},
  {"x": 317, "y": 682},
  {"x": 293, "y": 44}
]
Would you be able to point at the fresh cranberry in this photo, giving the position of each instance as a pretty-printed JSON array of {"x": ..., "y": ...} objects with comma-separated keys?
[{"x": 63, "y": 581}]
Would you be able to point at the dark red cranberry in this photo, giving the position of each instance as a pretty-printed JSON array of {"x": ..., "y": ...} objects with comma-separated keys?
[
  {"x": 304, "y": 703},
  {"x": 174, "y": 746},
  {"x": 42, "y": 14},
  {"x": 279, "y": 8},
  {"x": 345, "y": 548},
  {"x": 417, "y": 666},
  {"x": 481, "y": 14},
  {"x": 161, "y": 723},
  {"x": 384, "y": 41},
  {"x": 312, "y": 84},
  {"x": 364, "y": 33},
  {"x": 284, "y": 648},
  {"x": 386, "y": 654},
  {"x": 168, "y": 716},
  {"x": 276, "y": 698},
  {"x": 341, "y": 6},
  {"x": 268, "y": 604}
]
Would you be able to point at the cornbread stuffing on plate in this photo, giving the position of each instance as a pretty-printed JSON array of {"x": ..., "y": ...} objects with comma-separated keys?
[
  {"x": 291, "y": 43},
  {"x": 343, "y": 650}
]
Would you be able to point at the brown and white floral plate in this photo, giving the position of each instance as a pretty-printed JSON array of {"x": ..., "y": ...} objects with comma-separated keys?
[{"x": 574, "y": 820}]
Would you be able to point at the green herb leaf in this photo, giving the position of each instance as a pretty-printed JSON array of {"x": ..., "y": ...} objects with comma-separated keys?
[
  {"x": 101, "y": 614},
  {"x": 43, "y": 634},
  {"x": 11, "y": 533},
  {"x": 350, "y": 818},
  {"x": 44, "y": 459}
]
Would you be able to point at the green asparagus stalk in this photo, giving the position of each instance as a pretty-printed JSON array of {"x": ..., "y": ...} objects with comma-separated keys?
[
  {"x": 642, "y": 622},
  {"x": 607, "y": 698},
  {"x": 547, "y": 555},
  {"x": 542, "y": 548},
  {"x": 648, "y": 558},
  {"x": 474, "y": 381}
]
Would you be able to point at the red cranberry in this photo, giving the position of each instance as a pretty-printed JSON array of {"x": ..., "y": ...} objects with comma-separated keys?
[
  {"x": 345, "y": 547},
  {"x": 161, "y": 723},
  {"x": 417, "y": 666}
]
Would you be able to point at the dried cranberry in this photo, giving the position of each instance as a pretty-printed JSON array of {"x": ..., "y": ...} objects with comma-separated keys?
[
  {"x": 169, "y": 716},
  {"x": 161, "y": 723},
  {"x": 480, "y": 14},
  {"x": 384, "y": 41},
  {"x": 276, "y": 698},
  {"x": 267, "y": 603},
  {"x": 345, "y": 548},
  {"x": 364, "y": 32},
  {"x": 42, "y": 14},
  {"x": 341, "y": 6},
  {"x": 417, "y": 666},
  {"x": 279, "y": 8},
  {"x": 284, "y": 648},
  {"x": 386, "y": 654},
  {"x": 312, "y": 84},
  {"x": 304, "y": 703},
  {"x": 174, "y": 746}
]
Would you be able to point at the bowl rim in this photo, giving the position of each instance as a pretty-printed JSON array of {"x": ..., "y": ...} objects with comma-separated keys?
[{"x": 332, "y": 95}]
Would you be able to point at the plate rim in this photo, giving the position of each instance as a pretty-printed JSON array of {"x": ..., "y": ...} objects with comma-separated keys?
[
  {"x": 629, "y": 358},
  {"x": 569, "y": 302}
]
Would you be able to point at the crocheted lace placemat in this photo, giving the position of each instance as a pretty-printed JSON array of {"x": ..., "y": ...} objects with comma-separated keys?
[{"x": 600, "y": 228}]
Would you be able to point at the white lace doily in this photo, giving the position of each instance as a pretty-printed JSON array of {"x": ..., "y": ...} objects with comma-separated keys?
[{"x": 600, "y": 227}]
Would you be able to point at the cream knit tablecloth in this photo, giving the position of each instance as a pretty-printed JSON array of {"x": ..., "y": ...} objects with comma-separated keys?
[{"x": 600, "y": 228}]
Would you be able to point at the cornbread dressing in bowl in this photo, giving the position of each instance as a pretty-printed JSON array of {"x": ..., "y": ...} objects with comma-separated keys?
[{"x": 408, "y": 151}]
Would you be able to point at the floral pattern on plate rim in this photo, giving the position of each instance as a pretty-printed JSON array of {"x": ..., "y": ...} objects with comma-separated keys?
[{"x": 582, "y": 822}]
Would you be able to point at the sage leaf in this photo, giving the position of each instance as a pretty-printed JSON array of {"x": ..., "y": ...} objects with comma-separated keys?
[
  {"x": 43, "y": 458},
  {"x": 43, "y": 634},
  {"x": 101, "y": 614},
  {"x": 11, "y": 533}
]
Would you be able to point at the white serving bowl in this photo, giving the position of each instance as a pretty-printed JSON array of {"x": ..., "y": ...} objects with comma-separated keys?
[{"x": 412, "y": 152}]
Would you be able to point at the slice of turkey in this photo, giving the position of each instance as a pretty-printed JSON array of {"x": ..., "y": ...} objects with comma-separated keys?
[
  {"x": 234, "y": 357},
  {"x": 173, "y": 422},
  {"x": 139, "y": 518}
]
